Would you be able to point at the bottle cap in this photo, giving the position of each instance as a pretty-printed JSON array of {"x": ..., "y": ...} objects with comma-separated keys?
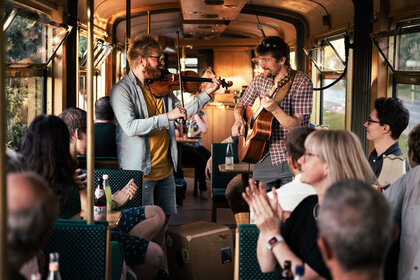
[
  {"x": 300, "y": 270},
  {"x": 105, "y": 176}
]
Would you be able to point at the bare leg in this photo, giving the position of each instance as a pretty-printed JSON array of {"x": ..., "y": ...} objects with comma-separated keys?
[
  {"x": 152, "y": 262},
  {"x": 152, "y": 225}
]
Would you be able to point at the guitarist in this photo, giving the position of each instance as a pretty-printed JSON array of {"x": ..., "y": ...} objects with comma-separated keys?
[{"x": 293, "y": 110}]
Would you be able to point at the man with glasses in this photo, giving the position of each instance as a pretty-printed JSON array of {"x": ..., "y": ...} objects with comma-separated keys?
[
  {"x": 384, "y": 126},
  {"x": 292, "y": 111},
  {"x": 145, "y": 123}
]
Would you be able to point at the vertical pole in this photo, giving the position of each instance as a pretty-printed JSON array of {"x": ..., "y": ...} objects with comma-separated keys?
[
  {"x": 90, "y": 135},
  {"x": 3, "y": 194},
  {"x": 148, "y": 22},
  {"x": 127, "y": 32}
]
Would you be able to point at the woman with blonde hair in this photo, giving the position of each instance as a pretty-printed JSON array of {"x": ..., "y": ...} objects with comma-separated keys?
[{"x": 330, "y": 156}]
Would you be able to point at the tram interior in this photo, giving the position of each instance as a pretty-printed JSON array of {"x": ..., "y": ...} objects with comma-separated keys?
[{"x": 372, "y": 47}]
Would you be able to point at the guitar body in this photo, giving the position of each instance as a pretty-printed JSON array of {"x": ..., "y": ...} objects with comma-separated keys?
[
  {"x": 259, "y": 123},
  {"x": 252, "y": 144}
]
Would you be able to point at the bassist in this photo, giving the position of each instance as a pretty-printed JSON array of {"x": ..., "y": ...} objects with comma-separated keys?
[{"x": 292, "y": 111}]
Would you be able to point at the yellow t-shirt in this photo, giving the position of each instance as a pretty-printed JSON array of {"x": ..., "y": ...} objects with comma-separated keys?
[{"x": 159, "y": 141}]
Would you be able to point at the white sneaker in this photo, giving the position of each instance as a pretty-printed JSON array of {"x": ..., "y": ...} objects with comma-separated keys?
[{"x": 203, "y": 195}]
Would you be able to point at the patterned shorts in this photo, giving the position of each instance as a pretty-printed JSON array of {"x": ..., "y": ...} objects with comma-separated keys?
[{"x": 135, "y": 248}]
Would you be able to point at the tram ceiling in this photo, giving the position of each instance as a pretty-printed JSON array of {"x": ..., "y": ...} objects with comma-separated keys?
[{"x": 210, "y": 19}]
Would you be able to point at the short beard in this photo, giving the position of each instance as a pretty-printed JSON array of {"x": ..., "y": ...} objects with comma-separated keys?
[{"x": 151, "y": 73}]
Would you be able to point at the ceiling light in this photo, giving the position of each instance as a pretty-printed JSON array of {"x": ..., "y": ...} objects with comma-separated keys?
[{"x": 230, "y": 6}]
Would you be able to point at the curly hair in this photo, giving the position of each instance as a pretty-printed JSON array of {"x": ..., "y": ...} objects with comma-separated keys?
[
  {"x": 275, "y": 46},
  {"x": 141, "y": 46},
  {"x": 46, "y": 149},
  {"x": 414, "y": 143},
  {"x": 392, "y": 112}
]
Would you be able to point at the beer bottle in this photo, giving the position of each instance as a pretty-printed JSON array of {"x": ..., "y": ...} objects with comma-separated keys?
[
  {"x": 99, "y": 208},
  {"x": 54, "y": 273},
  {"x": 108, "y": 193},
  {"x": 287, "y": 273}
]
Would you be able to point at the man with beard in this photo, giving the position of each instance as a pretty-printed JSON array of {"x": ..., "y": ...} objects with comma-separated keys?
[
  {"x": 145, "y": 123},
  {"x": 292, "y": 111}
]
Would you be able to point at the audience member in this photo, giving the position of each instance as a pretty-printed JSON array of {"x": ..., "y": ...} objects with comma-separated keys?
[
  {"x": 46, "y": 149},
  {"x": 330, "y": 156},
  {"x": 384, "y": 126},
  {"x": 196, "y": 153},
  {"x": 355, "y": 230},
  {"x": 291, "y": 194},
  {"x": 404, "y": 197},
  {"x": 105, "y": 144},
  {"x": 32, "y": 209}
]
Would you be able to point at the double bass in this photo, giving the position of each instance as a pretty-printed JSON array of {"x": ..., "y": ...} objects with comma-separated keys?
[{"x": 259, "y": 123}]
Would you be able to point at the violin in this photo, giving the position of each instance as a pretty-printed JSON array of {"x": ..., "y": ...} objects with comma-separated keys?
[{"x": 169, "y": 82}]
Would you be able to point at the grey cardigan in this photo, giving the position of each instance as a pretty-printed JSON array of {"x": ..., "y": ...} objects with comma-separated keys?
[{"x": 134, "y": 124}]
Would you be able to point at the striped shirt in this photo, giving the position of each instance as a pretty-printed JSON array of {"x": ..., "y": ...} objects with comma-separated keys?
[{"x": 298, "y": 101}]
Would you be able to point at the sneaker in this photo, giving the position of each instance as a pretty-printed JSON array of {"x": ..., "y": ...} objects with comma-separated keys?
[{"x": 203, "y": 195}]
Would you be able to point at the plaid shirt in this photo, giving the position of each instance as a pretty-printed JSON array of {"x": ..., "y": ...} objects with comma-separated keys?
[{"x": 298, "y": 101}]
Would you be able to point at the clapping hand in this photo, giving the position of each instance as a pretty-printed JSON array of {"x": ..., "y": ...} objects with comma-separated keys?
[{"x": 267, "y": 212}]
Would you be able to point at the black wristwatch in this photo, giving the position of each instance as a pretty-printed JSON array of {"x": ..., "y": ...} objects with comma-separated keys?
[{"x": 273, "y": 241}]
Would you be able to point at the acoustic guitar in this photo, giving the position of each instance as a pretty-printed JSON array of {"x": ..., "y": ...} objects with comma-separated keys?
[{"x": 258, "y": 124}]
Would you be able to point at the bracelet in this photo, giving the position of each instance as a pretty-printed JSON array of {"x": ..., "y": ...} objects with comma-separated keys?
[{"x": 116, "y": 204}]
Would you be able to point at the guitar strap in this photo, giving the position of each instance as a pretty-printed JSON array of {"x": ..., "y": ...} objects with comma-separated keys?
[{"x": 284, "y": 89}]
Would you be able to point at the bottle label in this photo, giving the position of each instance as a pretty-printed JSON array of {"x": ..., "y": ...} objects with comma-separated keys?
[
  {"x": 99, "y": 192},
  {"x": 99, "y": 213},
  {"x": 229, "y": 160}
]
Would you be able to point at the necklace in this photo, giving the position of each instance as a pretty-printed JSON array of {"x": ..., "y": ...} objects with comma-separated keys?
[{"x": 315, "y": 211}]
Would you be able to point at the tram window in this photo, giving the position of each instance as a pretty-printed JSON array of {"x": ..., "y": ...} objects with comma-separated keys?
[
  {"x": 333, "y": 103},
  {"x": 23, "y": 97},
  {"x": 410, "y": 96}
]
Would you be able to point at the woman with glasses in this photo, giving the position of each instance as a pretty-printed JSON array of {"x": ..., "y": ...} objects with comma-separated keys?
[{"x": 331, "y": 155}]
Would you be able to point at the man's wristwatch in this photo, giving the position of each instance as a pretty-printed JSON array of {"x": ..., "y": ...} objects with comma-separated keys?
[{"x": 273, "y": 241}]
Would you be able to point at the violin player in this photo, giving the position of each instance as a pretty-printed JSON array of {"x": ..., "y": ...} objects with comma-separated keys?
[
  {"x": 290, "y": 112},
  {"x": 145, "y": 123}
]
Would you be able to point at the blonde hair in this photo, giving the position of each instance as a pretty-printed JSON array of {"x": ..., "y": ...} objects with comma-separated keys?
[
  {"x": 343, "y": 153},
  {"x": 141, "y": 46}
]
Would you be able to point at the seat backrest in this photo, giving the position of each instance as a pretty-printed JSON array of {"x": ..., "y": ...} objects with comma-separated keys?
[
  {"x": 81, "y": 248},
  {"x": 118, "y": 178},
  {"x": 100, "y": 162},
  {"x": 218, "y": 154},
  {"x": 248, "y": 263}
]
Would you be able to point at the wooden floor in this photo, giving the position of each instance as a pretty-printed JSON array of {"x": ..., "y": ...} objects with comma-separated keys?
[{"x": 194, "y": 209}]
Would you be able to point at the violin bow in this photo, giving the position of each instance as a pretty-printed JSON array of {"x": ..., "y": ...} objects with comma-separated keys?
[{"x": 179, "y": 69}]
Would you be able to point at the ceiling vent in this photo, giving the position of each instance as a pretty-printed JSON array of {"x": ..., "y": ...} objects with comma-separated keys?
[{"x": 214, "y": 2}]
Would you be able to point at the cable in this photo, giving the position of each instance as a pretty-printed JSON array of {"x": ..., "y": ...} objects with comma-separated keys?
[{"x": 259, "y": 24}]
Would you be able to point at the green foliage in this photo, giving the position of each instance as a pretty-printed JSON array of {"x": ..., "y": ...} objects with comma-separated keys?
[
  {"x": 17, "y": 90},
  {"x": 333, "y": 120},
  {"x": 23, "y": 38}
]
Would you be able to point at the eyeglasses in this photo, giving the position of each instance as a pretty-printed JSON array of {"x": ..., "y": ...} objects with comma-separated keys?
[
  {"x": 158, "y": 58},
  {"x": 370, "y": 121}
]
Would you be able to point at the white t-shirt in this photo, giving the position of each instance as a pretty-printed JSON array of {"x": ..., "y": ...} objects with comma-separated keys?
[{"x": 290, "y": 195}]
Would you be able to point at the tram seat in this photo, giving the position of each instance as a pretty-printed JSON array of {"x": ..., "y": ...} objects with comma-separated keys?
[
  {"x": 82, "y": 250},
  {"x": 219, "y": 181},
  {"x": 249, "y": 269},
  {"x": 100, "y": 162},
  {"x": 118, "y": 178}
]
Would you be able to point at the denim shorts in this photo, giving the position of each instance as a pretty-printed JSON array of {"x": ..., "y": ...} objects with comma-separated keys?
[
  {"x": 161, "y": 193},
  {"x": 135, "y": 248}
]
